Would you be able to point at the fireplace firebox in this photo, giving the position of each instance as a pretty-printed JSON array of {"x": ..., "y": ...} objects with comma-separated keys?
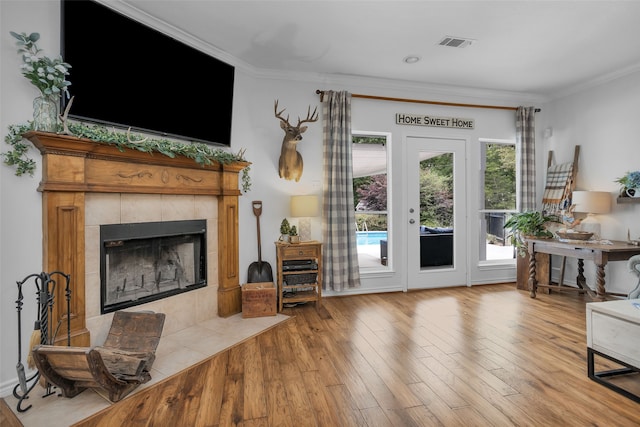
[{"x": 143, "y": 262}]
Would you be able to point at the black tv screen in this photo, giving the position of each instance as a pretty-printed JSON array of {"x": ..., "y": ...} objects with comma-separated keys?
[{"x": 126, "y": 74}]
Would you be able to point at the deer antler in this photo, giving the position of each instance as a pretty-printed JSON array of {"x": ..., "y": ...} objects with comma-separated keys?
[
  {"x": 134, "y": 142},
  {"x": 290, "y": 162},
  {"x": 278, "y": 115},
  {"x": 64, "y": 118},
  {"x": 310, "y": 117}
]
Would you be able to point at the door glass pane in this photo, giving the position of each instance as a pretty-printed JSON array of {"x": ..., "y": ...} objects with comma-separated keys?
[
  {"x": 369, "y": 157},
  {"x": 436, "y": 210}
]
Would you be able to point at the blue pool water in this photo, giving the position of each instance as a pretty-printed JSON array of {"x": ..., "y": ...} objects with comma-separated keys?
[{"x": 370, "y": 237}]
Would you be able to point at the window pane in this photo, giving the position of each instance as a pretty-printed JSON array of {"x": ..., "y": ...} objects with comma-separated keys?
[
  {"x": 500, "y": 177},
  {"x": 499, "y": 198},
  {"x": 369, "y": 157}
]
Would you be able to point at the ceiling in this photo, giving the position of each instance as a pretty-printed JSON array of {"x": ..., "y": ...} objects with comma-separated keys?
[{"x": 542, "y": 48}]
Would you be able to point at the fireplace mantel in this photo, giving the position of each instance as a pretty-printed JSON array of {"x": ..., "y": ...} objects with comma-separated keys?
[{"x": 72, "y": 167}]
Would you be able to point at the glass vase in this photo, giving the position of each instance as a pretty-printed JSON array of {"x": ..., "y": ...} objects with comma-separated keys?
[{"x": 45, "y": 114}]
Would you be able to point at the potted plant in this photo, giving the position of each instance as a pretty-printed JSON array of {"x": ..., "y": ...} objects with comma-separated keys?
[
  {"x": 527, "y": 224},
  {"x": 46, "y": 74},
  {"x": 293, "y": 235},
  {"x": 285, "y": 228},
  {"x": 629, "y": 184}
]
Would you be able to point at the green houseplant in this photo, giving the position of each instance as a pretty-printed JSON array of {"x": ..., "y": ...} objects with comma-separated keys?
[
  {"x": 293, "y": 235},
  {"x": 285, "y": 228},
  {"x": 48, "y": 75},
  {"x": 630, "y": 181},
  {"x": 527, "y": 224}
]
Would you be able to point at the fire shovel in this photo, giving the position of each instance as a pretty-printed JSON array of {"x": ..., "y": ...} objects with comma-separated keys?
[{"x": 259, "y": 271}]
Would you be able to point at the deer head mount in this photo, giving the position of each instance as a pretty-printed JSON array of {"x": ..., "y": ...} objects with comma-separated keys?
[{"x": 290, "y": 163}]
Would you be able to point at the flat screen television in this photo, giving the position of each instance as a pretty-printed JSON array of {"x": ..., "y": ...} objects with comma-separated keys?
[{"x": 129, "y": 75}]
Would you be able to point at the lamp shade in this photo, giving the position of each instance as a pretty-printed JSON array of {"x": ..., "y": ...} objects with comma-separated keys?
[
  {"x": 304, "y": 206},
  {"x": 594, "y": 202}
]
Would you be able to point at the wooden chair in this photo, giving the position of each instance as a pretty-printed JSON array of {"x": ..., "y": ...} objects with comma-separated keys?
[{"x": 117, "y": 367}]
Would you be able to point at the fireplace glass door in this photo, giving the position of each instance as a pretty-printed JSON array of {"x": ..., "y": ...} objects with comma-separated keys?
[{"x": 148, "y": 261}]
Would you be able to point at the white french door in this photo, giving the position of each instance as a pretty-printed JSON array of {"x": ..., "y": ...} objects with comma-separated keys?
[{"x": 437, "y": 259}]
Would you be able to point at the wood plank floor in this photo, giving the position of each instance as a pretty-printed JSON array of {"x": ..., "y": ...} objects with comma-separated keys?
[{"x": 481, "y": 356}]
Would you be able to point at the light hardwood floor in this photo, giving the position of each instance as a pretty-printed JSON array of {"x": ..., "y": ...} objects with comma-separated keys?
[{"x": 481, "y": 356}]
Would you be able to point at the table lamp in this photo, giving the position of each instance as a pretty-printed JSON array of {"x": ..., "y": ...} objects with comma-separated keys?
[
  {"x": 304, "y": 208},
  {"x": 591, "y": 203}
]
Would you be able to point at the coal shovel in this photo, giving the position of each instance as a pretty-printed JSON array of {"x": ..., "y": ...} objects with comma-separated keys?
[{"x": 259, "y": 271}]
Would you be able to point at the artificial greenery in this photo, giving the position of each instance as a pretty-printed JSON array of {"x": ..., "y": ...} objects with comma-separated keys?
[
  {"x": 285, "y": 228},
  {"x": 17, "y": 156},
  {"x": 293, "y": 231},
  {"x": 48, "y": 75},
  {"x": 527, "y": 224},
  {"x": 201, "y": 153},
  {"x": 629, "y": 180}
]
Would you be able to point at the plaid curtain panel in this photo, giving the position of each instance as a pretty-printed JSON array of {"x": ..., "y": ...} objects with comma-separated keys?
[
  {"x": 340, "y": 269},
  {"x": 526, "y": 141}
]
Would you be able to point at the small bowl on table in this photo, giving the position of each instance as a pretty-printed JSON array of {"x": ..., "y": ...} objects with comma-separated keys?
[{"x": 574, "y": 235}]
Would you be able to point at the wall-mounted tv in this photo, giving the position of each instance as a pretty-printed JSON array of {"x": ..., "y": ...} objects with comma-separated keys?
[{"x": 127, "y": 74}]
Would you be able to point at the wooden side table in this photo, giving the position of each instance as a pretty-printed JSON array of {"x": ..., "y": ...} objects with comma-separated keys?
[
  {"x": 299, "y": 267},
  {"x": 599, "y": 253}
]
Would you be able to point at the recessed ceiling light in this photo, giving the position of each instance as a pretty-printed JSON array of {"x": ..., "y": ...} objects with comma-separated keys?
[{"x": 411, "y": 59}]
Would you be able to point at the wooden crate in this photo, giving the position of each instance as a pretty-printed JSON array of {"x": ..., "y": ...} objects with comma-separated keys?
[{"x": 258, "y": 299}]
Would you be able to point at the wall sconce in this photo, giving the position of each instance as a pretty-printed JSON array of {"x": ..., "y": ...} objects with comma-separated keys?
[
  {"x": 304, "y": 208},
  {"x": 591, "y": 203}
]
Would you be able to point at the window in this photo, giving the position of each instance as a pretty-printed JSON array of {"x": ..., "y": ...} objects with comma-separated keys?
[
  {"x": 498, "y": 198},
  {"x": 370, "y": 167}
]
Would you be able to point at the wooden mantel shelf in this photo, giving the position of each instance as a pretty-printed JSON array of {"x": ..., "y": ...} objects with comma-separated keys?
[
  {"x": 79, "y": 164},
  {"x": 72, "y": 167}
]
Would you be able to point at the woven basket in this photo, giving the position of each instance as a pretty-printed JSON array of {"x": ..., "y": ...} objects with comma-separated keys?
[{"x": 575, "y": 235}]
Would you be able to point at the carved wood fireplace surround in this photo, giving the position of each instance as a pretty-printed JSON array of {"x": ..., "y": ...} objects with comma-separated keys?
[{"x": 75, "y": 170}]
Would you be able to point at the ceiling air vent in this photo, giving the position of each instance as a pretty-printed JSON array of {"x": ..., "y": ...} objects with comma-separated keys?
[{"x": 455, "y": 42}]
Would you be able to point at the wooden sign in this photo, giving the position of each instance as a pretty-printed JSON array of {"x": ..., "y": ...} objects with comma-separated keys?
[{"x": 433, "y": 121}]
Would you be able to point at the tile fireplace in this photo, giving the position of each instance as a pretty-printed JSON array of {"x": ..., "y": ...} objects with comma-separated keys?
[{"x": 86, "y": 184}]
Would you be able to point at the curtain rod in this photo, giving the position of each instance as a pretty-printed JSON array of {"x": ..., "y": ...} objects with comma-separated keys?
[{"x": 419, "y": 101}]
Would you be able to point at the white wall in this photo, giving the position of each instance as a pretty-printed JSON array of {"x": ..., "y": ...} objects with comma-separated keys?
[
  {"x": 602, "y": 120},
  {"x": 20, "y": 202},
  {"x": 256, "y": 129}
]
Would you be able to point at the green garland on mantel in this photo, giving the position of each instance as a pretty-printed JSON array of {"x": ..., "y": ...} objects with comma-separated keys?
[{"x": 201, "y": 153}]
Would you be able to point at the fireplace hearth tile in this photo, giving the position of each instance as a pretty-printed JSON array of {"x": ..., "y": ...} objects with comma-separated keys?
[{"x": 173, "y": 355}]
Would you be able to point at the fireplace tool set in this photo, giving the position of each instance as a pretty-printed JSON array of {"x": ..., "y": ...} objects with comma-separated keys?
[{"x": 45, "y": 285}]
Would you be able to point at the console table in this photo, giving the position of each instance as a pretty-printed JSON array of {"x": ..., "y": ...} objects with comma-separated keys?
[
  {"x": 613, "y": 332},
  {"x": 599, "y": 253}
]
